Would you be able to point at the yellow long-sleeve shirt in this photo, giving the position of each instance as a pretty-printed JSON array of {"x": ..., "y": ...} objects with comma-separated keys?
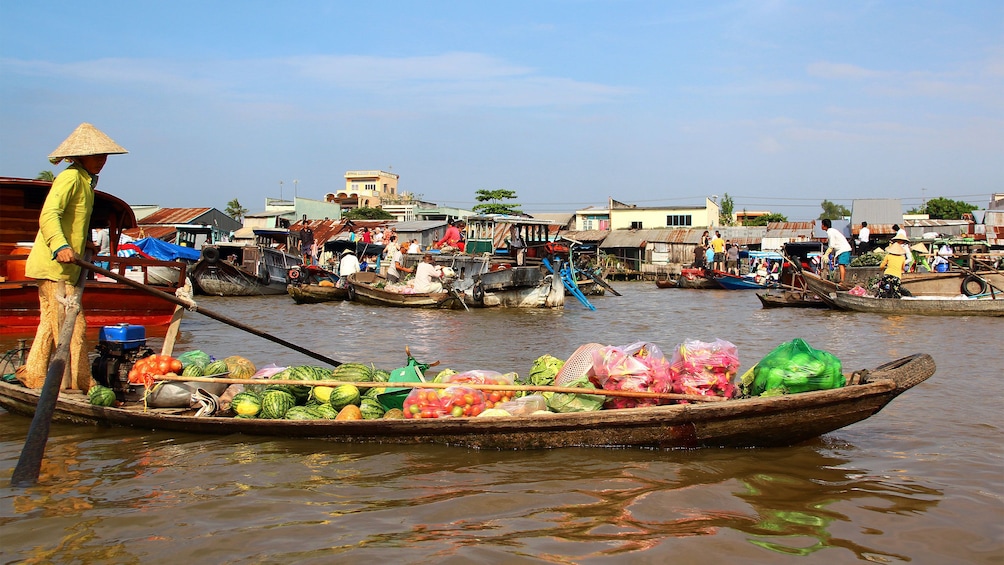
[
  {"x": 65, "y": 220},
  {"x": 893, "y": 265}
]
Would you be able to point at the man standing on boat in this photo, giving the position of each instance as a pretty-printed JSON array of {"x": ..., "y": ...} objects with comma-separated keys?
[
  {"x": 63, "y": 235},
  {"x": 837, "y": 244}
]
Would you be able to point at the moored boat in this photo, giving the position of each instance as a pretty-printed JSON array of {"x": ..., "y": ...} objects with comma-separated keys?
[
  {"x": 754, "y": 422},
  {"x": 924, "y": 305},
  {"x": 310, "y": 284},
  {"x": 790, "y": 299},
  {"x": 696, "y": 278},
  {"x": 105, "y": 302},
  {"x": 233, "y": 269}
]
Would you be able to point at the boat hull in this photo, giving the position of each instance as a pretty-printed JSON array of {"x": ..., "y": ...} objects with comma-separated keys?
[
  {"x": 920, "y": 306},
  {"x": 314, "y": 294},
  {"x": 791, "y": 299},
  {"x": 364, "y": 287},
  {"x": 757, "y": 422}
]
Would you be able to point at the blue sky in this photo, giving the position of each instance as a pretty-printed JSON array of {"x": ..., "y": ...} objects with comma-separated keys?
[{"x": 779, "y": 104}]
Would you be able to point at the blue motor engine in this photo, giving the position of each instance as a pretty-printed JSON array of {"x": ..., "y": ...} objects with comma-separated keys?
[{"x": 119, "y": 347}]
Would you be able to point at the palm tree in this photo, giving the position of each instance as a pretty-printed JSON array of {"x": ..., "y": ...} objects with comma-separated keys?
[
  {"x": 46, "y": 175},
  {"x": 235, "y": 210}
]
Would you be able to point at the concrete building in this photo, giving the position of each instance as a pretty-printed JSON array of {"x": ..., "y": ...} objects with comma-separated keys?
[
  {"x": 618, "y": 216},
  {"x": 365, "y": 189}
]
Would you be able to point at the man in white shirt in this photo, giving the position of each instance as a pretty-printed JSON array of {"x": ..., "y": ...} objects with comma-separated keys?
[
  {"x": 348, "y": 264},
  {"x": 428, "y": 275},
  {"x": 394, "y": 272},
  {"x": 863, "y": 236},
  {"x": 837, "y": 244}
]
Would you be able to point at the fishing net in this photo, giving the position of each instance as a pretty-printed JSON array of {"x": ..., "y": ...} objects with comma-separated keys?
[{"x": 577, "y": 365}]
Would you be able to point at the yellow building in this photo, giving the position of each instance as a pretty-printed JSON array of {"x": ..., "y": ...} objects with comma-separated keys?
[
  {"x": 618, "y": 216},
  {"x": 369, "y": 188}
]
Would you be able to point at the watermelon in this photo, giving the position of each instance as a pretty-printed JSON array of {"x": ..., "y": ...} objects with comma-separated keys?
[
  {"x": 325, "y": 411},
  {"x": 101, "y": 396},
  {"x": 301, "y": 413},
  {"x": 246, "y": 404},
  {"x": 381, "y": 376},
  {"x": 239, "y": 367},
  {"x": 300, "y": 373},
  {"x": 275, "y": 404},
  {"x": 192, "y": 370},
  {"x": 321, "y": 394},
  {"x": 371, "y": 409},
  {"x": 215, "y": 368},
  {"x": 343, "y": 396},
  {"x": 374, "y": 391},
  {"x": 353, "y": 373}
]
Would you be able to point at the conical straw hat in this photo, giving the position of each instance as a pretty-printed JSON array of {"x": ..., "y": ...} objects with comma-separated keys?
[{"x": 85, "y": 140}]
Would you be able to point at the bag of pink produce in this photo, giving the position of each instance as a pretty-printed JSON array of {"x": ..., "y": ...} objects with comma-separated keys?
[
  {"x": 703, "y": 368},
  {"x": 639, "y": 367}
]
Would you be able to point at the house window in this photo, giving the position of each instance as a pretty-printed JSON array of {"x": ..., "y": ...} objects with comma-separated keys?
[
  {"x": 370, "y": 187},
  {"x": 679, "y": 220},
  {"x": 636, "y": 225}
]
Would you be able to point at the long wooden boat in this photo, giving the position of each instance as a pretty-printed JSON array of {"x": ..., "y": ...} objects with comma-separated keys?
[
  {"x": 755, "y": 422},
  {"x": 733, "y": 282},
  {"x": 667, "y": 283},
  {"x": 926, "y": 305},
  {"x": 790, "y": 299},
  {"x": 822, "y": 288},
  {"x": 368, "y": 287},
  {"x": 105, "y": 302}
]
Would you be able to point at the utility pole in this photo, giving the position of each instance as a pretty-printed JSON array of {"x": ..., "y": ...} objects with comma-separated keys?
[
  {"x": 294, "y": 188},
  {"x": 280, "y": 190}
]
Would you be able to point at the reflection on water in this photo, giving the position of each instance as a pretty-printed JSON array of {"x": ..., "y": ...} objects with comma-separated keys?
[{"x": 913, "y": 483}]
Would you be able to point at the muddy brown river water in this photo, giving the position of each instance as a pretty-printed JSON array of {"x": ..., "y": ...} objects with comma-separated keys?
[{"x": 920, "y": 482}]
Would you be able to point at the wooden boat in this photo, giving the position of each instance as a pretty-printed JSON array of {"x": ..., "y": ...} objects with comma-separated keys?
[
  {"x": 733, "y": 282},
  {"x": 667, "y": 283},
  {"x": 790, "y": 299},
  {"x": 368, "y": 287},
  {"x": 823, "y": 288},
  {"x": 105, "y": 302},
  {"x": 233, "y": 269},
  {"x": 926, "y": 305},
  {"x": 696, "y": 278},
  {"x": 310, "y": 284},
  {"x": 756, "y": 422}
]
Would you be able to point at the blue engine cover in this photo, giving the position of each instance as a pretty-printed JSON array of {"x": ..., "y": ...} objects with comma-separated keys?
[{"x": 128, "y": 336}]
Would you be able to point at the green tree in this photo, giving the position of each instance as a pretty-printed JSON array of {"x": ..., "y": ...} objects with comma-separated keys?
[
  {"x": 726, "y": 211},
  {"x": 945, "y": 209},
  {"x": 235, "y": 210},
  {"x": 46, "y": 175},
  {"x": 492, "y": 202},
  {"x": 367, "y": 214},
  {"x": 766, "y": 219},
  {"x": 833, "y": 211}
]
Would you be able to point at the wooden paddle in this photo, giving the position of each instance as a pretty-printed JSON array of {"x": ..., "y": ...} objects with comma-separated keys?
[
  {"x": 205, "y": 312},
  {"x": 29, "y": 464},
  {"x": 534, "y": 388}
]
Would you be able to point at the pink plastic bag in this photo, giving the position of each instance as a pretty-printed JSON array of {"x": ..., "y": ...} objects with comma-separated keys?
[
  {"x": 639, "y": 367},
  {"x": 705, "y": 368}
]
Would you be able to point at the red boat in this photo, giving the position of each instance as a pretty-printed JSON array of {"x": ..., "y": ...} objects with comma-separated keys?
[{"x": 105, "y": 302}]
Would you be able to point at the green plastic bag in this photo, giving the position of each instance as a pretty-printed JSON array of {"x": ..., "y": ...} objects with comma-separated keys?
[
  {"x": 568, "y": 402},
  {"x": 793, "y": 367}
]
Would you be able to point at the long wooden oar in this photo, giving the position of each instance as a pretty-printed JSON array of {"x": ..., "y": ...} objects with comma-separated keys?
[
  {"x": 534, "y": 388},
  {"x": 205, "y": 312},
  {"x": 29, "y": 464}
]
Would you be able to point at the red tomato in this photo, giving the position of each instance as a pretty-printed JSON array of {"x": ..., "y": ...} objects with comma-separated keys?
[
  {"x": 494, "y": 396},
  {"x": 175, "y": 366},
  {"x": 163, "y": 367}
]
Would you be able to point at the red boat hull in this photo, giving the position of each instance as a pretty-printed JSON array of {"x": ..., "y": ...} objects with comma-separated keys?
[{"x": 104, "y": 304}]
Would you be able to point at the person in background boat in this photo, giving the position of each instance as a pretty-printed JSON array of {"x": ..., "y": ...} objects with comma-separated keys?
[
  {"x": 700, "y": 260},
  {"x": 709, "y": 258},
  {"x": 396, "y": 270},
  {"x": 718, "y": 245},
  {"x": 428, "y": 276},
  {"x": 367, "y": 236},
  {"x": 102, "y": 240},
  {"x": 451, "y": 239},
  {"x": 348, "y": 263},
  {"x": 894, "y": 264},
  {"x": 307, "y": 245},
  {"x": 517, "y": 247},
  {"x": 63, "y": 235},
  {"x": 378, "y": 236},
  {"x": 414, "y": 247},
  {"x": 943, "y": 259},
  {"x": 920, "y": 253},
  {"x": 862, "y": 240},
  {"x": 706, "y": 239},
  {"x": 732, "y": 257},
  {"x": 837, "y": 245},
  {"x": 391, "y": 247}
]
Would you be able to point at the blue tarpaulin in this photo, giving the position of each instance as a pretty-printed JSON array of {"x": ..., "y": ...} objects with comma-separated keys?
[{"x": 163, "y": 250}]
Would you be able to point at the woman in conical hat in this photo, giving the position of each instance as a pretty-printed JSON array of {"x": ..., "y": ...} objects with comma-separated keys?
[{"x": 63, "y": 234}]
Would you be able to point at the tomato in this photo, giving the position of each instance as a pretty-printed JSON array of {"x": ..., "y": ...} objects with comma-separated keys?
[
  {"x": 494, "y": 396},
  {"x": 163, "y": 367},
  {"x": 134, "y": 376},
  {"x": 175, "y": 366},
  {"x": 458, "y": 412}
]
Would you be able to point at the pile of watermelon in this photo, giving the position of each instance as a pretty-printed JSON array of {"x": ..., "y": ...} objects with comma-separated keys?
[{"x": 316, "y": 402}]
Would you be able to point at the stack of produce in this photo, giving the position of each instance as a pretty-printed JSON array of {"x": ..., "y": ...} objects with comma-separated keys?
[
  {"x": 147, "y": 369},
  {"x": 542, "y": 373},
  {"x": 639, "y": 367},
  {"x": 451, "y": 402},
  {"x": 791, "y": 368},
  {"x": 492, "y": 397},
  {"x": 707, "y": 369},
  {"x": 315, "y": 402}
]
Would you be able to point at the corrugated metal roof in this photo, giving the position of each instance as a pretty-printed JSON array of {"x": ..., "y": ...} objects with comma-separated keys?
[
  {"x": 165, "y": 233},
  {"x": 585, "y": 236},
  {"x": 625, "y": 238},
  {"x": 174, "y": 216},
  {"x": 792, "y": 231}
]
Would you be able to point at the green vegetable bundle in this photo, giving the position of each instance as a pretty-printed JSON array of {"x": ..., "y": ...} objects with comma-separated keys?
[{"x": 791, "y": 368}]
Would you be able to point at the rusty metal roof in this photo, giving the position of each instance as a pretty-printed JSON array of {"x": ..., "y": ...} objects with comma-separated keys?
[
  {"x": 585, "y": 236},
  {"x": 174, "y": 216},
  {"x": 165, "y": 233}
]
